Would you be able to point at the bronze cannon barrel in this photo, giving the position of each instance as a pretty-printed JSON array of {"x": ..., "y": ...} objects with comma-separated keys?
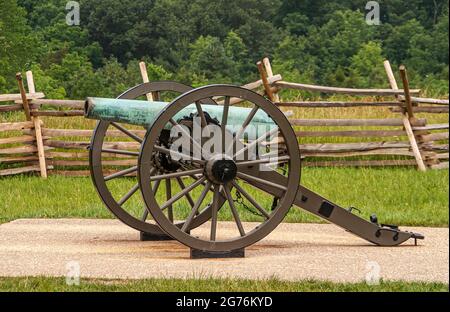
[{"x": 144, "y": 113}]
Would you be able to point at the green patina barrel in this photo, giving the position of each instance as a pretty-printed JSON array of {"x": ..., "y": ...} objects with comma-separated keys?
[{"x": 144, "y": 113}]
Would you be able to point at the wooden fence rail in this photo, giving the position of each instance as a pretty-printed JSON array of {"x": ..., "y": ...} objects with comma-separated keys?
[
  {"x": 411, "y": 138},
  {"x": 348, "y": 91},
  {"x": 402, "y": 140}
]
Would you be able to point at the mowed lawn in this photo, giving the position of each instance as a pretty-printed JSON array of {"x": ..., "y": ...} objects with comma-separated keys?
[
  {"x": 400, "y": 196},
  {"x": 51, "y": 284}
]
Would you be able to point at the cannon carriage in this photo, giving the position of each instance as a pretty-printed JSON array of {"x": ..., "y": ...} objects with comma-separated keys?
[{"x": 208, "y": 153}]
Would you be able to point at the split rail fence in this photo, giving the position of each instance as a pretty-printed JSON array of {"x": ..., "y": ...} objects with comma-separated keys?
[{"x": 403, "y": 140}]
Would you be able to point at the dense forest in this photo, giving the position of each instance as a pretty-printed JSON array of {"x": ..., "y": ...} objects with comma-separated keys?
[{"x": 203, "y": 41}]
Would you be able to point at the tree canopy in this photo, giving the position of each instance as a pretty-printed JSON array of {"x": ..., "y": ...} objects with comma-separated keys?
[{"x": 203, "y": 41}]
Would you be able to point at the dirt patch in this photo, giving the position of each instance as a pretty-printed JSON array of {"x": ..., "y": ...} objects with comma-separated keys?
[{"x": 107, "y": 249}]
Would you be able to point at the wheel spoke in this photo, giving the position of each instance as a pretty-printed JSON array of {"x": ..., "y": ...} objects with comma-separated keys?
[
  {"x": 273, "y": 154},
  {"x": 144, "y": 215},
  {"x": 156, "y": 187},
  {"x": 201, "y": 113},
  {"x": 127, "y": 132},
  {"x": 176, "y": 174},
  {"x": 251, "y": 145},
  {"x": 263, "y": 161},
  {"x": 214, "y": 210},
  {"x": 234, "y": 211},
  {"x": 181, "y": 194},
  {"x": 226, "y": 106},
  {"x": 154, "y": 190},
  {"x": 128, "y": 195},
  {"x": 184, "y": 157},
  {"x": 251, "y": 200},
  {"x": 121, "y": 173},
  {"x": 132, "y": 191},
  {"x": 253, "y": 179},
  {"x": 243, "y": 127},
  {"x": 211, "y": 187},
  {"x": 120, "y": 152},
  {"x": 191, "y": 139},
  {"x": 188, "y": 196},
  {"x": 196, "y": 207},
  {"x": 168, "y": 197}
]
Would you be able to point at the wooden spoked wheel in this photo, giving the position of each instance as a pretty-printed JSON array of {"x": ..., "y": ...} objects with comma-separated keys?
[
  {"x": 222, "y": 179},
  {"x": 118, "y": 187}
]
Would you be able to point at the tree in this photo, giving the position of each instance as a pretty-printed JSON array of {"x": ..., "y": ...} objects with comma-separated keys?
[
  {"x": 114, "y": 25},
  {"x": 397, "y": 46},
  {"x": 76, "y": 76},
  {"x": 47, "y": 84},
  {"x": 440, "y": 44},
  {"x": 326, "y": 49},
  {"x": 16, "y": 43},
  {"x": 366, "y": 70},
  {"x": 338, "y": 40},
  {"x": 202, "y": 41},
  {"x": 296, "y": 23},
  {"x": 240, "y": 62},
  {"x": 209, "y": 60},
  {"x": 113, "y": 79}
]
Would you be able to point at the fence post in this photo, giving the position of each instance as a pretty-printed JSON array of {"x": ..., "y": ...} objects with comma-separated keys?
[
  {"x": 408, "y": 101},
  {"x": 23, "y": 95},
  {"x": 406, "y": 119},
  {"x": 145, "y": 79},
  {"x": 36, "y": 120},
  {"x": 269, "y": 72},
  {"x": 265, "y": 81}
]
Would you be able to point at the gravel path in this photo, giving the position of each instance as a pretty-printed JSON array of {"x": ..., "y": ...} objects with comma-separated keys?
[{"x": 108, "y": 249}]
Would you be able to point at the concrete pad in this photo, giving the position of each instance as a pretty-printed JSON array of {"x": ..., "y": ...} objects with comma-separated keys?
[{"x": 109, "y": 249}]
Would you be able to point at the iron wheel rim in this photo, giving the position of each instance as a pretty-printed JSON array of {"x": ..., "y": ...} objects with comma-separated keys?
[{"x": 285, "y": 202}]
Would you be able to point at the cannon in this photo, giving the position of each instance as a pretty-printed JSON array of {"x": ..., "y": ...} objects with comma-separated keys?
[{"x": 187, "y": 183}]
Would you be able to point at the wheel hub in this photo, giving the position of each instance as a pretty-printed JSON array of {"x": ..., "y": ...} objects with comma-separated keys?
[{"x": 221, "y": 169}]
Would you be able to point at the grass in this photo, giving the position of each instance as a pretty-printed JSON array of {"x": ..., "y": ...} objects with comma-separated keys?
[
  {"x": 397, "y": 195},
  {"x": 50, "y": 284}
]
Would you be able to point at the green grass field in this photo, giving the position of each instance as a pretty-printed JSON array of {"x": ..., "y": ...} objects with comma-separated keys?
[
  {"x": 47, "y": 284},
  {"x": 399, "y": 196}
]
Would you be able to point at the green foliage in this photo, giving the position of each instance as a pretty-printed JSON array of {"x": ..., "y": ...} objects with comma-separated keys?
[
  {"x": 76, "y": 75},
  {"x": 208, "y": 57},
  {"x": 203, "y": 41},
  {"x": 213, "y": 60},
  {"x": 113, "y": 78},
  {"x": 45, "y": 83},
  {"x": 296, "y": 23},
  {"x": 366, "y": 69},
  {"x": 338, "y": 40},
  {"x": 59, "y": 284},
  {"x": 16, "y": 43},
  {"x": 398, "y": 44}
]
